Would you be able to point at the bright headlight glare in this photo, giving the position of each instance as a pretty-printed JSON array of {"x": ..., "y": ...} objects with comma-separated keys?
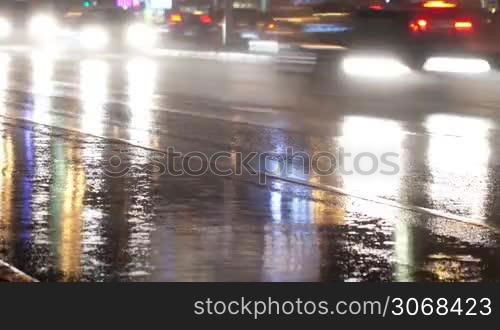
[
  {"x": 43, "y": 26},
  {"x": 457, "y": 65},
  {"x": 94, "y": 37},
  {"x": 140, "y": 36},
  {"x": 374, "y": 66},
  {"x": 5, "y": 28}
]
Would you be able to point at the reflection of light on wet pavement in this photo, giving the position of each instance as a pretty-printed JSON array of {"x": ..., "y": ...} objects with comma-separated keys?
[
  {"x": 141, "y": 84},
  {"x": 42, "y": 87},
  {"x": 141, "y": 79},
  {"x": 363, "y": 135},
  {"x": 7, "y": 162},
  {"x": 290, "y": 255},
  {"x": 275, "y": 202},
  {"x": 93, "y": 92},
  {"x": 403, "y": 250},
  {"x": 458, "y": 158},
  {"x": 322, "y": 212},
  {"x": 141, "y": 76}
]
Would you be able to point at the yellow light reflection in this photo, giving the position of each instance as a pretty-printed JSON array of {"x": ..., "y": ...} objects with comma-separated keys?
[
  {"x": 458, "y": 157},
  {"x": 7, "y": 162},
  {"x": 141, "y": 74},
  {"x": 93, "y": 92},
  {"x": 290, "y": 255},
  {"x": 42, "y": 86},
  {"x": 70, "y": 248}
]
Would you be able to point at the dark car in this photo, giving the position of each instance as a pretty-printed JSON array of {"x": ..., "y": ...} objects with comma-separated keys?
[
  {"x": 420, "y": 30},
  {"x": 205, "y": 26}
]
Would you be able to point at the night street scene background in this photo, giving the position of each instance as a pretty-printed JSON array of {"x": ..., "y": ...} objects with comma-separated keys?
[{"x": 252, "y": 140}]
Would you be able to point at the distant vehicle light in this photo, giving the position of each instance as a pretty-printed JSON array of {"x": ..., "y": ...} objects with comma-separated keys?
[
  {"x": 5, "y": 28},
  {"x": 94, "y": 37},
  {"x": 175, "y": 18},
  {"x": 439, "y": 4},
  {"x": 271, "y": 26},
  {"x": 463, "y": 26},
  {"x": 374, "y": 66},
  {"x": 205, "y": 19},
  {"x": 457, "y": 65},
  {"x": 376, "y": 7},
  {"x": 140, "y": 35}
]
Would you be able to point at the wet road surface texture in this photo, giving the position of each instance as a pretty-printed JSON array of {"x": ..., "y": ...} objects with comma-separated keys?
[{"x": 63, "y": 217}]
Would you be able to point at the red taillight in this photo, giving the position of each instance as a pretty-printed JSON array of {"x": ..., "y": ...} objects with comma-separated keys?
[
  {"x": 175, "y": 18},
  {"x": 376, "y": 7},
  {"x": 438, "y": 4},
  {"x": 419, "y": 25},
  {"x": 205, "y": 19},
  {"x": 463, "y": 26}
]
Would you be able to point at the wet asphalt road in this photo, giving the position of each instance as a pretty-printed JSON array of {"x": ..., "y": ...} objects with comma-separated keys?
[{"x": 63, "y": 217}]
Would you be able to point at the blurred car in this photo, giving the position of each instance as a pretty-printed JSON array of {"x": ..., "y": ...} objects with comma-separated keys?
[
  {"x": 434, "y": 31},
  {"x": 248, "y": 24},
  {"x": 205, "y": 26},
  {"x": 22, "y": 21},
  {"x": 107, "y": 28}
]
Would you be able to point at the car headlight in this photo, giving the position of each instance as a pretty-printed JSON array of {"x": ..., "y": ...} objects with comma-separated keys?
[
  {"x": 5, "y": 28},
  {"x": 374, "y": 66},
  {"x": 94, "y": 37},
  {"x": 457, "y": 65},
  {"x": 140, "y": 35},
  {"x": 43, "y": 27}
]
